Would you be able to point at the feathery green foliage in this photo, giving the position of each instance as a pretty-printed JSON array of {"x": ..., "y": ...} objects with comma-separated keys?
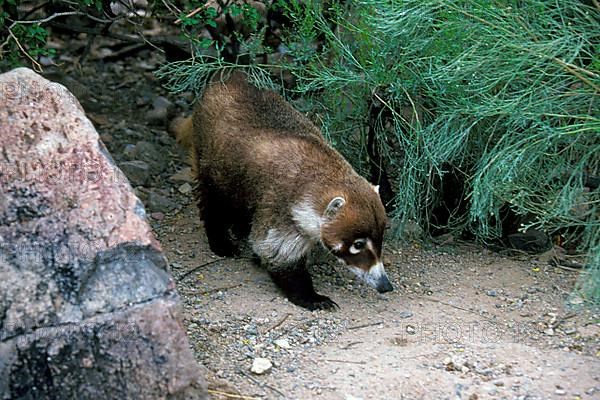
[{"x": 502, "y": 93}]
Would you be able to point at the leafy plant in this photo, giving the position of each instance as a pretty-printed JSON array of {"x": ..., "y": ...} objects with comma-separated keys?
[
  {"x": 223, "y": 26},
  {"x": 505, "y": 93},
  {"x": 496, "y": 101},
  {"x": 20, "y": 41},
  {"x": 24, "y": 38}
]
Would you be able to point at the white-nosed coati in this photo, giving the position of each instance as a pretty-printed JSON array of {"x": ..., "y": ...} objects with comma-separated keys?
[{"x": 265, "y": 173}]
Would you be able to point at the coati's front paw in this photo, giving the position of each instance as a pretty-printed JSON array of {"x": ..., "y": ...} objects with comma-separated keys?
[
  {"x": 222, "y": 251},
  {"x": 315, "y": 302},
  {"x": 297, "y": 286},
  {"x": 222, "y": 248}
]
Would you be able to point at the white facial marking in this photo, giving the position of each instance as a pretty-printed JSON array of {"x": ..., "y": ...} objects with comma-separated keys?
[
  {"x": 283, "y": 247},
  {"x": 360, "y": 244},
  {"x": 373, "y": 276},
  {"x": 376, "y": 271},
  {"x": 370, "y": 245},
  {"x": 307, "y": 219},
  {"x": 376, "y": 189},
  {"x": 337, "y": 247}
]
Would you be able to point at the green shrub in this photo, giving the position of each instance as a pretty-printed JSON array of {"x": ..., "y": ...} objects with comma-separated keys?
[
  {"x": 501, "y": 96},
  {"x": 20, "y": 42},
  {"x": 23, "y": 29}
]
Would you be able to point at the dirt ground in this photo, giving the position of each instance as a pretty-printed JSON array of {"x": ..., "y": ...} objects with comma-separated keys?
[{"x": 462, "y": 322}]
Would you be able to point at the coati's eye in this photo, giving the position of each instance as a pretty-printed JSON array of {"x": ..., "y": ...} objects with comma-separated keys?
[{"x": 357, "y": 246}]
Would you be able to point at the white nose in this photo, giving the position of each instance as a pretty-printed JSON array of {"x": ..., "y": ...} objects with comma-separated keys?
[{"x": 377, "y": 278}]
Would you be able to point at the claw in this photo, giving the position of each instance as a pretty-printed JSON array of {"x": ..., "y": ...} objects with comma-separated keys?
[
  {"x": 323, "y": 303},
  {"x": 316, "y": 303}
]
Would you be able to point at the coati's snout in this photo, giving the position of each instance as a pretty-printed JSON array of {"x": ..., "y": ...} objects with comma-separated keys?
[
  {"x": 356, "y": 240},
  {"x": 375, "y": 277},
  {"x": 362, "y": 260}
]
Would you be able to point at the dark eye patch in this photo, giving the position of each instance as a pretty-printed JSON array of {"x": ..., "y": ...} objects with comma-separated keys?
[{"x": 359, "y": 244}]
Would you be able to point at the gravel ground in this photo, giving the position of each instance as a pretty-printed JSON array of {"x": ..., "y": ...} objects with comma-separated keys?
[{"x": 463, "y": 323}]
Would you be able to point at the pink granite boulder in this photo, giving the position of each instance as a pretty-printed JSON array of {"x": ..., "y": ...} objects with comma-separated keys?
[{"x": 87, "y": 307}]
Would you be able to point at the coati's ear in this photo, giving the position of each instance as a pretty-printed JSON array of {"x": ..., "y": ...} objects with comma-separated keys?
[
  {"x": 334, "y": 207},
  {"x": 376, "y": 188}
]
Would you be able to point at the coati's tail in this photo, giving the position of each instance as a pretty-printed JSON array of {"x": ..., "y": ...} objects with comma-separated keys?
[{"x": 183, "y": 130}]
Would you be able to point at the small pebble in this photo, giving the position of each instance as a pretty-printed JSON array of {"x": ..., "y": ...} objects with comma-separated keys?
[
  {"x": 283, "y": 343},
  {"x": 571, "y": 331},
  {"x": 185, "y": 188},
  {"x": 261, "y": 366},
  {"x": 157, "y": 216},
  {"x": 184, "y": 175}
]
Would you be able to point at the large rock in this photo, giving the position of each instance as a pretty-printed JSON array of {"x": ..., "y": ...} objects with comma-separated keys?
[{"x": 87, "y": 307}]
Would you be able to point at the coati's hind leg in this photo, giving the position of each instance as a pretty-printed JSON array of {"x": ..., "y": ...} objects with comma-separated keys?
[
  {"x": 295, "y": 282},
  {"x": 216, "y": 216},
  {"x": 218, "y": 237}
]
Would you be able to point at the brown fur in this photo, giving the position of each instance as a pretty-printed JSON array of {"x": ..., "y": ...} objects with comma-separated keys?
[
  {"x": 256, "y": 158},
  {"x": 183, "y": 129}
]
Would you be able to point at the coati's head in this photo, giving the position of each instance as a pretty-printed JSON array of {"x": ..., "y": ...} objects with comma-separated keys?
[{"x": 352, "y": 228}]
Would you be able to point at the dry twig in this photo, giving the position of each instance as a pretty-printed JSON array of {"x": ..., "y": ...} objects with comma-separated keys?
[
  {"x": 36, "y": 66},
  {"x": 347, "y": 346},
  {"x": 457, "y": 307},
  {"x": 232, "y": 395},
  {"x": 281, "y": 321},
  {"x": 191, "y": 271},
  {"x": 344, "y": 361},
  {"x": 259, "y": 383},
  {"x": 191, "y": 14},
  {"x": 365, "y": 325},
  {"x": 209, "y": 263}
]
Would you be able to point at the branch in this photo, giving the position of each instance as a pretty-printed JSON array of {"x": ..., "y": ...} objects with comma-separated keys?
[
  {"x": 156, "y": 42},
  {"x": 57, "y": 15},
  {"x": 574, "y": 70},
  {"x": 171, "y": 7},
  {"x": 36, "y": 66},
  {"x": 191, "y": 14},
  {"x": 34, "y": 9}
]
